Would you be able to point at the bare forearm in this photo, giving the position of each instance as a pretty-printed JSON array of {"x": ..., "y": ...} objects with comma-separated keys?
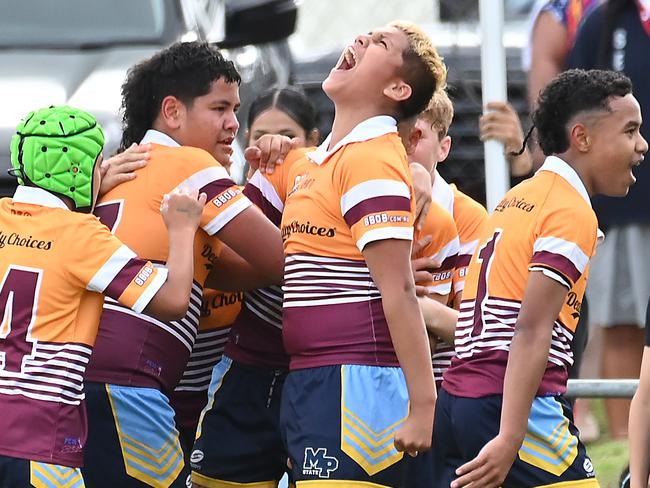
[
  {"x": 411, "y": 345},
  {"x": 439, "y": 319},
  {"x": 520, "y": 165},
  {"x": 639, "y": 428},
  {"x": 526, "y": 364},
  {"x": 173, "y": 298}
]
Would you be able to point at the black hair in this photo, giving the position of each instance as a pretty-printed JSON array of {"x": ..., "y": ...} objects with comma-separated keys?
[
  {"x": 184, "y": 70},
  {"x": 289, "y": 100},
  {"x": 417, "y": 74},
  {"x": 571, "y": 93}
]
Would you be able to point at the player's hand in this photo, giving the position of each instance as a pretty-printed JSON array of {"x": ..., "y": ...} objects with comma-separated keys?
[
  {"x": 182, "y": 209},
  {"x": 414, "y": 436},
  {"x": 490, "y": 467},
  {"x": 422, "y": 188},
  {"x": 502, "y": 124},
  {"x": 122, "y": 167},
  {"x": 421, "y": 267},
  {"x": 269, "y": 151}
]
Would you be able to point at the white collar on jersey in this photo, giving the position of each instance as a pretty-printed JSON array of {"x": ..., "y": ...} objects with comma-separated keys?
[
  {"x": 368, "y": 129},
  {"x": 562, "y": 168},
  {"x": 160, "y": 138},
  {"x": 442, "y": 193},
  {"x": 38, "y": 196}
]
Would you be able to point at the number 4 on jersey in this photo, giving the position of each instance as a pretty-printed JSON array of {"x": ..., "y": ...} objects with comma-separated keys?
[{"x": 18, "y": 299}]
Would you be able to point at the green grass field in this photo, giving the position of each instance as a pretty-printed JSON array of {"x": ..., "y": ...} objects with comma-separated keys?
[{"x": 609, "y": 457}]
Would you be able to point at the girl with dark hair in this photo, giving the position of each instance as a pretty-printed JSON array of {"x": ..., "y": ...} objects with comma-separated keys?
[{"x": 286, "y": 111}]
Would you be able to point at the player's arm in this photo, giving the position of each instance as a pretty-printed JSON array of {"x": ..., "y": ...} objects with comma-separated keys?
[
  {"x": 257, "y": 242},
  {"x": 181, "y": 211},
  {"x": 548, "y": 53},
  {"x": 439, "y": 319},
  {"x": 234, "y": 273},
  {"x": 543, "y": 300},
  {"x": 639, "y": 424},
  {"x": 389, "y": 264}
]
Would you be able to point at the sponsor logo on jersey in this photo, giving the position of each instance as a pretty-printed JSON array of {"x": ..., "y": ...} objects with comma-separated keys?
[
  {"x": 515, "y": 202},
  {"x": 15, "y": 239},
  {"x": 296, "y": 227},
  {"x": 318, "y": 463}
]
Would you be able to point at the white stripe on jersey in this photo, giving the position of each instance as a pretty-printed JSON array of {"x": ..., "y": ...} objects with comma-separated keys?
[
  {"x": 53, "y": 373},
  {"x": 383, "y": 233},
  {"x": 207, "y": 352},
  {"x": 553, "y": 275},
  {"x": 468, "y": 248},
  {"x": 450, "y": 249},
  {"x": 204, "y": 177},
  {"x": 152, "y": 288},
  {"x": 267, "y": 190},
  {"x": 440, "y": 289},
  {"x": 568, "y": 249},
  {"x": 110, "y": 269},
  {"x": 371, "y": 189},
  {"x": 235, "y": 208}
]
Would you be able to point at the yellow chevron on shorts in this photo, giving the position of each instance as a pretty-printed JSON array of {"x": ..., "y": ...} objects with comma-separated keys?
[
  {"x": 43, "y": 475},
  {"x": 157, "y": 468},
  {"x": 554, "y": 453},
  {"x": 373, "y": 451},
  {"x": 590, "y": 483},
  {"x": 208, "y": 482}
]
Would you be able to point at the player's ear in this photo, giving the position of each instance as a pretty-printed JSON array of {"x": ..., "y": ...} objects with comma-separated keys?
[
  {"x": 172, "y": 112},
  {"x": 398, "y": 90}
]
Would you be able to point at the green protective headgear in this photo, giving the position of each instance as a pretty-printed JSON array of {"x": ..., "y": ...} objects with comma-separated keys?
[{"x": 56, "y": 149}]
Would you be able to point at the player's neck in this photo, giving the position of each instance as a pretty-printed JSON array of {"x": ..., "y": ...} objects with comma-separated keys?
[
  {"x": 347, "y": 119},
  {"x": 582, "y": 166}
]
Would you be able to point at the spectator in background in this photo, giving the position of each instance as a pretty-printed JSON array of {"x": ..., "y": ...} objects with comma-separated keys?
[
  {"x": 640, "y": 420},
  {"x": 617, "y": 36}
]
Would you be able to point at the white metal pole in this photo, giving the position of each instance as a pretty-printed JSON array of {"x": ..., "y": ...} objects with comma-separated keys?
[{"x": 493, "y": 81}]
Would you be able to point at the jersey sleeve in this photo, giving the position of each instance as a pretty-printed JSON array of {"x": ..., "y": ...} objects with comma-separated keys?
[
  {"x": 225, "y": 198},
  {"x": 470, "y": 216},
  {"x": 565, "y": 242},
  {"x": 375, "y": 194},
  {"x": 269, "y": 191},
  {"x": 101, "y": 263},
  {"x": 443, "y": 248}
]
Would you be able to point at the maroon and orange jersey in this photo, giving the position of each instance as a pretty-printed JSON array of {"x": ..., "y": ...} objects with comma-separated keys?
[
  {"x": 54, "y": 266},
  {"x": 219, "y": 310},
  {"x": 154, "y": 353},
  {"x": 339, "y": 201},
  {"x": 256, "y": 335},
  {"x": 545, "y": 224},
  {"x": 444, "y": 245}
]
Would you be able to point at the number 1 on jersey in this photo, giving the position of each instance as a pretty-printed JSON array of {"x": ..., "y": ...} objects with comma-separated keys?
[
  {"x": 485, "y": 255},
  {"x": 18, "y": 299}
]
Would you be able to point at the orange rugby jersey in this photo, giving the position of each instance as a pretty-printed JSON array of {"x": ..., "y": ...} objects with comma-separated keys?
[
  {"x": 256, "y": 335},
  {"x": 545, "y": 224},
  {"x": 356, "y": 193},
  {"x": 219, "y": 309},
  {"x": 443, "y": 247},
  {"x": 469, "y": 216},
  {"x": 154, "y": 353},
  {"x": 54, "y": 266}
]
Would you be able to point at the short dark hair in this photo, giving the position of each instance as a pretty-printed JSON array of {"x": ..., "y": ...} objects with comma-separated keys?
[
  {"x": 567, "y": 95},
  {"x": 184, "y": 70},
  {"x": 422, "y": 68},
  {"x": 289, "y": 100}
]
